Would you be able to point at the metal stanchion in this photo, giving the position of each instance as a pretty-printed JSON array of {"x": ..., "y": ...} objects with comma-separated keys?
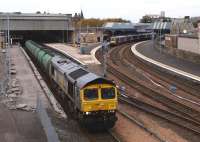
[{"x": 104, "y": 51}]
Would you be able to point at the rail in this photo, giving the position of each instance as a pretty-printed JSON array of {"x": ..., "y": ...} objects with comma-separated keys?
[{"x": 167, "y": 115}]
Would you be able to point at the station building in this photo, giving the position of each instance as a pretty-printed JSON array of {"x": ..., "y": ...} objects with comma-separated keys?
[
  {"x": 116, "y": 29},
  {"x": 183, "y": 42}
]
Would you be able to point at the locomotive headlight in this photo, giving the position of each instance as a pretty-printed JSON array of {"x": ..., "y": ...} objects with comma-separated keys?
[{"x": 87, "y": 113}]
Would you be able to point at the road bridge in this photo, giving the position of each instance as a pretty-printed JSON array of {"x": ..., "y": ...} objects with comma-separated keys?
[{"x": 38, "y": 26}]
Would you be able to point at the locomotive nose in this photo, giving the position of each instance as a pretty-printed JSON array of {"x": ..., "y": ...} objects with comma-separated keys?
[{"x": 101, "y": 105}]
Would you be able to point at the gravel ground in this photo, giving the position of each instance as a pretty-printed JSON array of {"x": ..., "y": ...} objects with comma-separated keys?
[{"x": 68, "y": 130}]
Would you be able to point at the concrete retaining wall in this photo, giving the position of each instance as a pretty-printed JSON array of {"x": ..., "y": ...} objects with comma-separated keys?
[
  {"x": 87, "y": 47},
  {"x": 185, "y": 55},
  {"x": 189, "y": 44}
]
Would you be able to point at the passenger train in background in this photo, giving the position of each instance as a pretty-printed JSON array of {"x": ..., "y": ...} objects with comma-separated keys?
[
  {"x": 91, "y": 99},
  {"x": 117, "y": 40}
]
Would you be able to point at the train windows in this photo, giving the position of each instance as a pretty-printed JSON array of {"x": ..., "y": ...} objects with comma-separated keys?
[
  {"x": 108, "y": 93},
  {"x": 90, "y": 94}
]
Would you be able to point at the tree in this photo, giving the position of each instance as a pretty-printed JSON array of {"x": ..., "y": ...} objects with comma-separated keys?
[
  {"x": 38, "y": 12},
  {"x": 146, "y": 19},
  {"x": 92, "y": 22}
]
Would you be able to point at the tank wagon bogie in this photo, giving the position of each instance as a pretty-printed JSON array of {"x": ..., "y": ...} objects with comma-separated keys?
[{"x": 91, "y": 98}]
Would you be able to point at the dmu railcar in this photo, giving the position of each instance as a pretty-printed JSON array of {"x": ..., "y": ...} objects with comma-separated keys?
[
  {"x": 117, "y": 40},
  {"x": 92, "y": 99}
]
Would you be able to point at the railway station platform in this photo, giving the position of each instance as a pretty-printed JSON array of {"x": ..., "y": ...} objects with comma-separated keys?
[
  {"x": 87, "y": 60},
  {"x": 146, "y": 52},
  {"x": 28, "y": 110},
  {"x": 19, "y": 120}
]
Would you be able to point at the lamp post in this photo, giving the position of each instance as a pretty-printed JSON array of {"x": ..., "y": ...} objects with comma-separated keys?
[
  {"x": 153, "y": 39},
  {"x": 105, "y": 45},
  {"x": 160, "y": 40},
  {"x": 199, "y": 35},
  {"x": 8, "y": 46},
  {"x": 67, "y": 29}
]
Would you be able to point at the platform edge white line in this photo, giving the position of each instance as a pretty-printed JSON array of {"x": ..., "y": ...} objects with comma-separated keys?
[
  {"x": 172, "y": 69},
  {"x": 93, "y": 52}
]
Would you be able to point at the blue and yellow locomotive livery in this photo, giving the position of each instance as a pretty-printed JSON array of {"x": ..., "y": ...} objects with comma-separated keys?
[{"x": 91, "y": 98}]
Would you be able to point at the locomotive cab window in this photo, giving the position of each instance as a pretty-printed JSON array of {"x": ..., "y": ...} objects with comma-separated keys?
[
  {"x": 108, "y": 93},
  {"x": 90, "y": 94}
]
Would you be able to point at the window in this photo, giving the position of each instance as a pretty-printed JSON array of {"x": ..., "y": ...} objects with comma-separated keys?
[
  {"x": 78, "y": 73},
  {"x": 90, "y": 94},
  {"x": 108, "y": 93}
]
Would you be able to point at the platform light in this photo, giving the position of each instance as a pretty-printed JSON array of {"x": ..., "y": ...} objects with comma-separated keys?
[{"x": 185, "y": 31}]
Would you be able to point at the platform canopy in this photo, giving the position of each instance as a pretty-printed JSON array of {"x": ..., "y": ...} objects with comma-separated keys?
[{"x": 119, "y": 26}]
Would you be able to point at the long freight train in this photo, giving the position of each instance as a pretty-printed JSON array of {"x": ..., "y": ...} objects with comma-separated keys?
[{"x": 91, "y": 98}]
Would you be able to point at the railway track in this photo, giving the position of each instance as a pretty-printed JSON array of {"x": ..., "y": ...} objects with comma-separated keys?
[
  {"x": 147, "y": 90},
  {"x": 160, "y": 79},
  {"x": 141, "y": 125},
  {"x": 186, "y": 113},
  {"x": 164, "y": 114},
  {"x": 186, "y": 86},
  {"x": 128, "y": 65},
  {"x": 107, "y": 136}
]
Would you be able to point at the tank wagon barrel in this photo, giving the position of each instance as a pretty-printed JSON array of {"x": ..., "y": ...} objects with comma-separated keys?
[
  {"x": 42, "y": 56},
  {"x": 90, "y": 98}
]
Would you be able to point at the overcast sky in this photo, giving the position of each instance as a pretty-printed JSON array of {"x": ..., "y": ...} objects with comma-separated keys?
[{"x": 128, "y": 9}]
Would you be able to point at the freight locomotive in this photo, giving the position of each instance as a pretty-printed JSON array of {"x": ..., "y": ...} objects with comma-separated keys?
[{"x": 92, "y": 99}]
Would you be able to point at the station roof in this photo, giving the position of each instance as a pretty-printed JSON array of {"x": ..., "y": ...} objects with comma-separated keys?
[
  {"x": 118, "y": 26},
  {"x": 28, "y": 16},
  {"x": 180, "y": 23},
  {"x": 161, "y": 25},
  {"x": 36, "y": 22}
]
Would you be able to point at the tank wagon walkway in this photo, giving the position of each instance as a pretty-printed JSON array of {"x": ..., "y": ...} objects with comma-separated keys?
[{"x": 147, "y": 50}]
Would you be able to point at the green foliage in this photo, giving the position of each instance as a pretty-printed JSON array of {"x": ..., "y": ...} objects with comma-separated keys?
[
  {"x": 146, "y": 19},
  {"x": 97, "y": 22}
]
